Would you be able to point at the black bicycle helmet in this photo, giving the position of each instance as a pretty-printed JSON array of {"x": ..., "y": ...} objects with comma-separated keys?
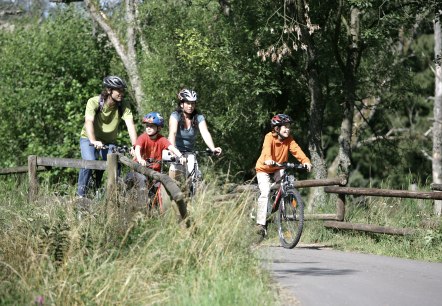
[
  {"x": 280, "y": 119},
  {"x": 187, "y": 95},
  {"x": 114, "y": 82}
]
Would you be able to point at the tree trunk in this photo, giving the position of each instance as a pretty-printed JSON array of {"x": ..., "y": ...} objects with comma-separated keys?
[
  {"x": 437, "y": 110},
  {"x": 317, "y": 196},
  {"x": 349, "y": 71},
  {"x": 360, "y": 121},
  {"x": 126, "y": 54}
]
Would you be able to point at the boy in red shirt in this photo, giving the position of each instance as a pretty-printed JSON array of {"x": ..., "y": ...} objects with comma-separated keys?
[
  {"x": 277, "y": 144},
  {"x": 148, "y": 152},
  {"x": 151, "y": 144}
]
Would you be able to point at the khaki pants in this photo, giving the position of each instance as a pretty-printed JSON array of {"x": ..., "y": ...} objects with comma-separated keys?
[{"x": 264, "y": 183}]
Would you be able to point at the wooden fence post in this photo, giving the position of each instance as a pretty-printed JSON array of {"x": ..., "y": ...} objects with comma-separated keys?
[
  {"x": 111, "y": 168},
  {"x": 33, "y": 182},
  {"x": 340, "y": 207}
]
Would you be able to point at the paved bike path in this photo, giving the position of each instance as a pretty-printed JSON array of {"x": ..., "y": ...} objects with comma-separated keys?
[{"x": 318, "y": 276}]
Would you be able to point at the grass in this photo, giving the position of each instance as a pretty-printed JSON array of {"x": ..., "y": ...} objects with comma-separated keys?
[
  {"x": 425, "y": 244},
  {"x": 116, "y": 255}
]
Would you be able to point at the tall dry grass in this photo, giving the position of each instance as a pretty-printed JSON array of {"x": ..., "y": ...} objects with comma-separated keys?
[{"x": 118, "y": 255}]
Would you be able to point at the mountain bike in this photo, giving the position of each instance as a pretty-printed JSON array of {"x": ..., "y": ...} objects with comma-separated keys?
[
  {"x": 286, "y": 200},
  {"x": 148, "y": 191},
  {"x": 192, "y": 172},
  {"x": 155, "y": 191},
  {"x": 94, "y": 188}
]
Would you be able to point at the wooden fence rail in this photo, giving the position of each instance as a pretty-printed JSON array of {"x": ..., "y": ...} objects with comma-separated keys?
[
  {"x": 385, "y": 193},
  {"x": 342, "y": 191},
  {"x": 111, "y": 165},
  {"x": 334, "y": 185},
  {"x": 19, "y": 170}
]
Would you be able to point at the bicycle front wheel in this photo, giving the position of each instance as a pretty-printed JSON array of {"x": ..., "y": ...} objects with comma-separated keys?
[{"x": 290, "y": 219}]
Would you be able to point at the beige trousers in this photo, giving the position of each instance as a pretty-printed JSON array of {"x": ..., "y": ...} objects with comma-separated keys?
[{"x": 264, "y": 183}]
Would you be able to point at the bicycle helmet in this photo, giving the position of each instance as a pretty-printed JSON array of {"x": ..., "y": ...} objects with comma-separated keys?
[
  {"x": 155, "y": 118},
  {"x": 187, "y": 95},
  {"x": 280, "y": 119},
  {"x": 114, "y": 82}
]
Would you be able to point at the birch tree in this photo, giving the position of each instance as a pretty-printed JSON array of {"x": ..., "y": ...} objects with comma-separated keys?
[{"x": 437, "y": 125}]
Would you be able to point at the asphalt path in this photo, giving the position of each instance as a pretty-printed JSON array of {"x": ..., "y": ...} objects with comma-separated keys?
[{"x": 319, "y": 276}]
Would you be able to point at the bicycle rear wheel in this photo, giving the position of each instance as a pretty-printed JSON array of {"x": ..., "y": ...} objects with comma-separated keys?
[{"x": 290, "y": 219}]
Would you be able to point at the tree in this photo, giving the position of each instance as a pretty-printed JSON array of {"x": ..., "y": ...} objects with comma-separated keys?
[
  {"x": 125, "y": 45},
  {"x": 437, "y": 124},
  {"x": 47, "y": 77}
]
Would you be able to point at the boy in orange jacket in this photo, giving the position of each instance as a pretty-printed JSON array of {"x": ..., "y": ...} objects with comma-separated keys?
[{"x": 277, "y": 144}]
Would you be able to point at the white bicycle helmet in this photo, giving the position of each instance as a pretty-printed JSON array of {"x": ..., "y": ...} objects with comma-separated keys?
[{"x": 187, "y": 95}]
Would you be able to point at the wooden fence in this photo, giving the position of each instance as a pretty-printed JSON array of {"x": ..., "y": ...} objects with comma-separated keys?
[
  {"x": 343, "y": 191},
  {"x": 36, "y": 163},
  {"x": 335, "y": 186}
]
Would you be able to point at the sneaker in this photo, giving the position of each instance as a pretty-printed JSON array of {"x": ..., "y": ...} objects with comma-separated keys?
[{"x": 261, "y": 230}]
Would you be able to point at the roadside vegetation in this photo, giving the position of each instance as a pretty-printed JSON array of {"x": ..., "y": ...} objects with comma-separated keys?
[
  {"x": 425, "y": 244},
  {"x": 52, "y": 251},
  {"x": 116, "y": 255}
]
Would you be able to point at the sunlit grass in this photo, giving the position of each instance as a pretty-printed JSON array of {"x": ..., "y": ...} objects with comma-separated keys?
[
  {"x": 116, "y": 255},
  {"x": 424, "y": 244}
]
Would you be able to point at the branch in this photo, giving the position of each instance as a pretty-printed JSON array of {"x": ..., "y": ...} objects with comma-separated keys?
[
  {"x": 98, "y": 17},
  {"x": 10, "y": 12},
  {"x": 426, "y": 155},
  {"x": 387, "y": 136}
]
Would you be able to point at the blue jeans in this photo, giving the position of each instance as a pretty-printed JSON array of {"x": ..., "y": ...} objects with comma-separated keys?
[{"x": 89, "y": 152}]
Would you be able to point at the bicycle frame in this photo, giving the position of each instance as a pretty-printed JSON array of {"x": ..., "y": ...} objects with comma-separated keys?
[
  {"x": 191, "y": 173},
  {"x": 277, "y": 189}
]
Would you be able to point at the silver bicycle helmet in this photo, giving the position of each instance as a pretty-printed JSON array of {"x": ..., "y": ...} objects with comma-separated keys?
[{"x": 114, "y": 82}]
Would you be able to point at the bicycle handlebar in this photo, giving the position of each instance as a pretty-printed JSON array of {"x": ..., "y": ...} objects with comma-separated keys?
[
  {"x": 150, "y": 160},
  {"x": 207, "y": 151},
  {"x": 291, "y": 166},
  {"x": 115, "y": 149}
]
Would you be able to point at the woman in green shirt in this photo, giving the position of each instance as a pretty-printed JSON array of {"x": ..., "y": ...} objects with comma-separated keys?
[{"x": 102, "y": 117}]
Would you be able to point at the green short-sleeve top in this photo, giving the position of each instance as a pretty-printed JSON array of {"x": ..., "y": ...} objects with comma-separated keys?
[{"x": 106, "y": 121}]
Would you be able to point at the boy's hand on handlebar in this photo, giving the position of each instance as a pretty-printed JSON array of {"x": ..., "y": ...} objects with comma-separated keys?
[
  {"x": 142, "y": 162},
  {"x": 269, "y": 162},
  {"x": 308, "y": 166}
]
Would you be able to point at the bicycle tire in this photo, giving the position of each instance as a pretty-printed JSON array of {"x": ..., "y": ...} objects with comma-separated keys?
[
  {"x": 290, "y": 219},
  {"x": 91, "y": 187}
]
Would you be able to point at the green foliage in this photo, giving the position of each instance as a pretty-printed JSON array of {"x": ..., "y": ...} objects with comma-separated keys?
[
  {"x": 48, "y": 73},
  {"x": 216, "y": 56}
]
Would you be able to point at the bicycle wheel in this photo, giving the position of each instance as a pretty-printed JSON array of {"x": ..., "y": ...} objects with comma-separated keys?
[
  {"x": 194, "y": 186},
  {"x": 91, "y": 187},
  {"x": 290, "y": 219}
]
